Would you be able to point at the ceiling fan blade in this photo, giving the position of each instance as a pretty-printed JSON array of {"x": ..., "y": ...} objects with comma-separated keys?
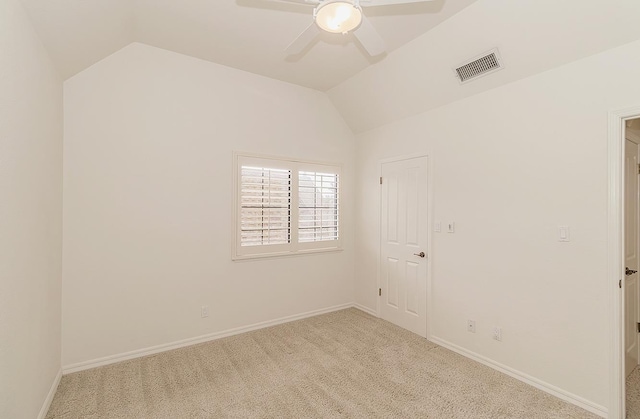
[
  {"x": 369, "y": 37},
  {"x": 303, "y": 39},
  {"x": 373, "y": 3},
  {"x": 308, "y": 2}
]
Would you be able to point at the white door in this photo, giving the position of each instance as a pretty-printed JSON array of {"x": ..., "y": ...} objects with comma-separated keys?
[
  {"x": 631, "y": 256},
  {"x": 403, "y": 270}
]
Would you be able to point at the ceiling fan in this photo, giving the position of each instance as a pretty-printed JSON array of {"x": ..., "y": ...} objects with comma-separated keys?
[{"x": 343, "y": 16}]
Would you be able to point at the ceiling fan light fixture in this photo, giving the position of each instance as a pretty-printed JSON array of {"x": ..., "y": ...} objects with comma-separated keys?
[{"x": 338, "y": 16}]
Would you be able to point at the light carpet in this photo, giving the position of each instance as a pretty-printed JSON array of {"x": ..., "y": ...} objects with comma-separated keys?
[
  {"x": 633, "y": 394},
  {"x": 346, "y": 364}
]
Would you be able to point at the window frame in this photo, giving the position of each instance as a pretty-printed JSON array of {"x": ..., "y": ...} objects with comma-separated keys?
[{"x": 294, "y": 247}]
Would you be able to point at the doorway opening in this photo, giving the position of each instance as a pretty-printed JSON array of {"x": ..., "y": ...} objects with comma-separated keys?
[
  {"x": 631, "y": 281},
  {"x": 623, "y": 249}
]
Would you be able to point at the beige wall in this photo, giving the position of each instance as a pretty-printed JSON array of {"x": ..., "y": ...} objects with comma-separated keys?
[
  {"x": 149, "y": 136},
  {"x": 509, "y": 166},
  {"x": 30, "y": 217}
]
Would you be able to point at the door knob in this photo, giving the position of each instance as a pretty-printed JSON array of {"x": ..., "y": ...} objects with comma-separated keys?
[
  {"x": 421, "y": 254},
  {"x": 628, "y": 271}
]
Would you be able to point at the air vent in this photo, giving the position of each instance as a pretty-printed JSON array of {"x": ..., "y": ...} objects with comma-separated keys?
[{"x": 479, "y": 66}]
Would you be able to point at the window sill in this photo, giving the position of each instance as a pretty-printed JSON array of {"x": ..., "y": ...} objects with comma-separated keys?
[{"x": 307, "y": 252}]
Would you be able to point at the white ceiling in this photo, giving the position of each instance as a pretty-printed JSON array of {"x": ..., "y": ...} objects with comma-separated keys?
[
  {"x": 246, "y": 34},
  {"x": 532, "y": 35}
]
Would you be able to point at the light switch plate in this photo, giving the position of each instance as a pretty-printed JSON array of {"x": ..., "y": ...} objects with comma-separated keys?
[
  {"x": 451, "y": 227},
  {"x": 437, "y": 227}
]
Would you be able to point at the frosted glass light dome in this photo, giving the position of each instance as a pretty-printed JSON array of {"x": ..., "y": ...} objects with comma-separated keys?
[{"x": 338, "y": 16}]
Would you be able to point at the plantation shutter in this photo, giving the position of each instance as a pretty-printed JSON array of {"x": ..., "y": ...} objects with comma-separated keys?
[
  {"x": 265, "y": 201},
  {"x": 284, "y": 207},
  {"x": 318, "y": 207}
]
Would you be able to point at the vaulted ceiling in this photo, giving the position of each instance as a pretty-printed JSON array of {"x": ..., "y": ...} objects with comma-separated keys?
[
  {"x": 424, "y": 42},
  {"x": 249, "y": 35},
  {"x": 533, "y": 36}
]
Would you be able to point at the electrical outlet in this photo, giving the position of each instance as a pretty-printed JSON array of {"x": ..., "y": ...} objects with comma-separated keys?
[
  {"x": 497, "y": 333},
  {"x": 204, "y": 311},
  {"x": 471, "y": 326}
]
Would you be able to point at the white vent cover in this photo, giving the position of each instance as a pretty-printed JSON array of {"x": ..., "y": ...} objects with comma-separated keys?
[{"x": 479, "y": 66}]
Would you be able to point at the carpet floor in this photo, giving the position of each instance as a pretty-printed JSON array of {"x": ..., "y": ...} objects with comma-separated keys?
[
  {"x": 633, "y": 394},
  {"x": 346, "y": 364}
]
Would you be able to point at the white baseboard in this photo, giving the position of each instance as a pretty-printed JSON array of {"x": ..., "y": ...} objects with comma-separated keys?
[
  {"x": 365, "y": 309},
  {"x": 518, "y": 375},
  {"x": 112, "y": 359},
  {"x": 49, "y": 399}
]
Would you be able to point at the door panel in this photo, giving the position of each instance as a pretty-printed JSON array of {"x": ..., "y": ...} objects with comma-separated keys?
[
  {"x": 413, "y": 279},
  {"x": 392, "y": 209},
  {"x": 392, "y": 282},
  {"x": 413, "y": 206},
  {"x": 631, "y": 256},
  {"x": 403, "y": 235}
]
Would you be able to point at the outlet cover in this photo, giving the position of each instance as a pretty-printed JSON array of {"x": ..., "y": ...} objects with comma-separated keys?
[
  {"x": 204, "y": 311},
  {"x": 497, "y": 333}
]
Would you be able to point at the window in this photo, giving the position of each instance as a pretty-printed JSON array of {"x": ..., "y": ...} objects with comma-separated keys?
[
  {"x": 285, "y": 207},
  {"x": 318, "y": 206}
]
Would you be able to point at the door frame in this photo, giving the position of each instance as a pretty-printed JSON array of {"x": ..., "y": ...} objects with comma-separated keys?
[
  {"x": 429, "y": 186},
  {"x": 615, "y": 256}
]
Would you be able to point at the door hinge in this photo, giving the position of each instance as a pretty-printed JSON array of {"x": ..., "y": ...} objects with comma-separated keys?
[
  {"x": 620, "y": 284},
  {"x": 379, "y": 292},
  {"x": 381, "y": 180},
  {"x": 638, "y": 327},
  {"x": 639, "y": 169}
]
